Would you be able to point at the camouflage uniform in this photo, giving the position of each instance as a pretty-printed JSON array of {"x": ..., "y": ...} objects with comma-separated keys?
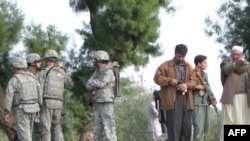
[
  {"x": 23, "y": 96},
  {"x": 31, "y": 59},
  {"x": 53, "y": 80},
  {"x": 101, "y": 85}
]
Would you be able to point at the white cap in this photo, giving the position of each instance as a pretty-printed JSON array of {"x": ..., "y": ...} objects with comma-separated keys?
[{"x": 239, "y": 48}]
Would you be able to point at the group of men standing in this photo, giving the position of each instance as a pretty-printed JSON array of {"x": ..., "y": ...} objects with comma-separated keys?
[
  {"x": 32, "y": 93},
  {"x": 186, "y": 95}
]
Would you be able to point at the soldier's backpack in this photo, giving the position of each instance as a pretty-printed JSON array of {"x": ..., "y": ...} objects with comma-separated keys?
[{"x": 116, "y": 70}]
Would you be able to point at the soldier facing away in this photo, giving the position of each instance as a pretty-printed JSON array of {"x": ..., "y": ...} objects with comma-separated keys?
[
  {"x": 22, "y": 97},
  {"x": 34, "y": 65},
  {"x": 53, "y": 80}
]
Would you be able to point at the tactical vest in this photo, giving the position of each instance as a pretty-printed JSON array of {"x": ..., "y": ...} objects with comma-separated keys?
[
  {"x": 54, "y": 84},
  {"x": 28, "y": 93}
]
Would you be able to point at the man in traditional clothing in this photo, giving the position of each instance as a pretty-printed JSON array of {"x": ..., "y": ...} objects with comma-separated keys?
[
  {"x": 236, "y": 87},
  {"x": 154, "y": 125}
]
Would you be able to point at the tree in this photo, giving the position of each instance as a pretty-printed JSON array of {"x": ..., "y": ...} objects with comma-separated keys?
[
  {"x": 231, "y": 27},
  {"x": 37, "y": 40},
  {"x": 11, "y": 23},
  {"x": 131, "y": 111},
  {"x": 127, "y": 29}
]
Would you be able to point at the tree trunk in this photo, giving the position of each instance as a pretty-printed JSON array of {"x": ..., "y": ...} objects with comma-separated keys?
[{"x": 8, "y": 129}]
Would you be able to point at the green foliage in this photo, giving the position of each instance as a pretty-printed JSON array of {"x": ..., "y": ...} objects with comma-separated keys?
[
  {"x": 3, "y": 135},
  {"x": 231, "y": 27},
  {"x": 81, "y": 96},
  {"x": 127, "y": 29},
  {"x": 131, "y": 112},
  {"x": 215, "y": 126},
  {"x": 11, "y": 23},
  {"x": 75, "y": 112},
  {"x": 38, "y": 40}
]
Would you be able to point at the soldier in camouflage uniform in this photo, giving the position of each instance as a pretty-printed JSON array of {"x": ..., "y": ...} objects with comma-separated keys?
[
  {"x": 34, "y": 65},
  {"x": 54, "y": 80},
  {"x": 22, "y": 97},
  {"x": 102, "y": 85}
]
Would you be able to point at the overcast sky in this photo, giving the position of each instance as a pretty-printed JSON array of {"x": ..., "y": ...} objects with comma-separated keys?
[{"x": 185, "y": 26}]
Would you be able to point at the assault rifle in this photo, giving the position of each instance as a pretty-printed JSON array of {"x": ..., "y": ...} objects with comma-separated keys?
[{"x": 209, "y": 95}]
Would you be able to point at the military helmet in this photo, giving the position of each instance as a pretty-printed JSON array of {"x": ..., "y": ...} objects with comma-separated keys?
[
  {"x": 32, "y": 57},
  {"x": 101, "y": 55},
  {"x": 51, "y": 54},
  {"x": 19, "y": 62}
]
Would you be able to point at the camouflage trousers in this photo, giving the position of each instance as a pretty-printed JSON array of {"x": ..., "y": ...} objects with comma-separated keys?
[
  {"x": 51, "y": 118},
  {"x": 104, "y": 121},
  {"x": 24, "y": 124}
]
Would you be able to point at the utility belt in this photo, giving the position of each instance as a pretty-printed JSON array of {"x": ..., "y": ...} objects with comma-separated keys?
[
  {"x": 22, "y": 102},
  {"x": 29, "y": 102},
  {"x": 52, "y": 98},
  {"x": 29, "y": 107}
]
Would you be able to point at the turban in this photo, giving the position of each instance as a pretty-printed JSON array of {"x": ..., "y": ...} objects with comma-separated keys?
[{"x": 239, "y": 48}]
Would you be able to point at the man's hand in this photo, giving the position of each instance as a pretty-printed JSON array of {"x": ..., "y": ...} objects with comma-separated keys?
[
  {"x": 7, "y": 118},
  {"x": 37, "y": 115},
  {"x": 65, "y": 68},
  {"x": 173, "y": 82},
  {"x": 213, "y": 101},
  {"x": 182, "y": 87},
  {"x": 239, "y": 63},
  {"x": 200, "y": 87}
]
